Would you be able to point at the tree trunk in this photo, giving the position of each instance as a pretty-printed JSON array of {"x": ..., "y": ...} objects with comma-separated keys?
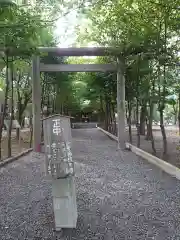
[
  {"x": 175, "y": 119},
  {"x": 133, "y": 120},
  {"x": 149, "y": 124},
  {"x": 162, "y": 102},
  {"x": 129, "y": 120},
  {"x": 5, "y": 102},
  {"x": 20, "y": 123},
  {"x": 161, "y": 111},
  {"x": 143, "y": 120},
  {"x": 110, "y": 117},
  {"x": 12, "y": 110},
  {"x": 127, "y": 113},
  {"x": 137, "y": 123},
  {"x": 163, "y": 132},
  {"x": 148, "y": 134},
  {"x": 18, "y": 133},
  {"x": 102, "y": 114},
  {"x": 31, "y": 131},
  {"x": 137, "y": 103},
  {"x": 150, "y": 129},
  {"x": 106, "y": 114},
  {"x": 175, "y": 109}
]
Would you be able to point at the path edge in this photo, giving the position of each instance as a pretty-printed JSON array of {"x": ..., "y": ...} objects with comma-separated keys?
[
  {"x": 166, "y": 167},
  {"x": 12, "y": 159}
]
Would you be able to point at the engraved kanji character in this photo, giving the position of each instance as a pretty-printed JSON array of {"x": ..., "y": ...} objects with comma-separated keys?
[{"x": 57, "y": 127}]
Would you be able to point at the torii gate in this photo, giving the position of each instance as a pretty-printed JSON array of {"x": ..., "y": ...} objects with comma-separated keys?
[{"x": 38, "y": 67}]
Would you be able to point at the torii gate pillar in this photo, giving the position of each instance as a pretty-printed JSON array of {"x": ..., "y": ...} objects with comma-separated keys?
[
  {"x": 36, "y": 104},
  {"x": 121, "y": 106}
]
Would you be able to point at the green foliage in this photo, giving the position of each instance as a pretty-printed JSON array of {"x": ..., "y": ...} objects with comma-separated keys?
[
  {"x": 146, "y": 35},
  {"x": 19, "y": 29}
]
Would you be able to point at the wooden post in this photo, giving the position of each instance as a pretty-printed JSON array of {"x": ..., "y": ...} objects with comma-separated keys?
[
  {"x": 36, "y": 104},
  {"x": 121, "y": 111}
]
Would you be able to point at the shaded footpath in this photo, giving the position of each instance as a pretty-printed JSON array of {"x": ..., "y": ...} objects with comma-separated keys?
[{"x": 117, "y": 198}]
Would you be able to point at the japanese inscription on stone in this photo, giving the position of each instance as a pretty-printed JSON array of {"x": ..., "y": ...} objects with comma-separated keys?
[{"x": 58, "y": 147}]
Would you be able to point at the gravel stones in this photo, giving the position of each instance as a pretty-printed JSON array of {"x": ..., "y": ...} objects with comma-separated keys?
[{"x": 117, "y": 198}]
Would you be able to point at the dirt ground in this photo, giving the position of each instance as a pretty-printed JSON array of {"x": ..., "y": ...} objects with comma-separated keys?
[
  {"x": 173, "y": 140},
  {"x": 17, "y": 147}
]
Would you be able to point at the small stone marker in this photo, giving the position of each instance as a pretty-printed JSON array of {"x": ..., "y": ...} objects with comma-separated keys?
[{"x": 60, "y": 166}]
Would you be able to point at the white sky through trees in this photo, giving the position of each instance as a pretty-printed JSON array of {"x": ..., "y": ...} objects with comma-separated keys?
[{"x": 65, "y": 29}]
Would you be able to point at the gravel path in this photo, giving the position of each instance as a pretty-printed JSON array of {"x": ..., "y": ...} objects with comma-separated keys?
[{"x": 117, "y": 199}]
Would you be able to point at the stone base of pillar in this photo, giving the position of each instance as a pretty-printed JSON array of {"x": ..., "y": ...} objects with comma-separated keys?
[{"x": 64, "y": 203}]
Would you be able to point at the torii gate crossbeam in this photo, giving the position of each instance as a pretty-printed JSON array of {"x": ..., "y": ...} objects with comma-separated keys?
[{"x": 38, "y": 67}]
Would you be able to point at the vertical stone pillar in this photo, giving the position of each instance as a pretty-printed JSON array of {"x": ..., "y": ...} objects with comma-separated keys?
[
  {"x": 121, "y": 111},
  {"x": 60, "y": 167},
  {"x": 36, "y": 104}
]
